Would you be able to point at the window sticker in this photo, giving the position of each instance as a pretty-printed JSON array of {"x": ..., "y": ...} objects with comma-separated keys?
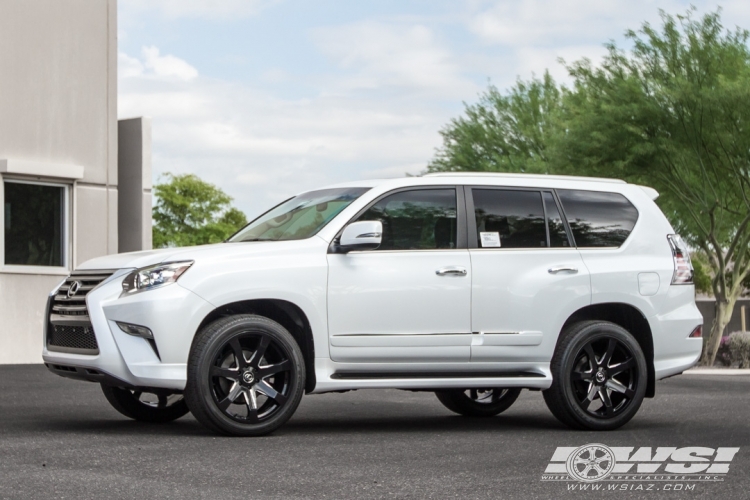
[{"x": 490, "y": 240}]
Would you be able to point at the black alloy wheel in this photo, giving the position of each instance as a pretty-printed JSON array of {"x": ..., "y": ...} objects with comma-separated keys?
[
  {"x": 599, "y": 376},
  {"x": 146, "y": 405},
  {"x": 604, "y": 377},
  {"x": 245, "y": 376},
  {"x": 485, "y": 402}
]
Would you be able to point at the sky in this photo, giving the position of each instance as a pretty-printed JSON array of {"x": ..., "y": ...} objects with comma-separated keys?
[{"x": 270, "y": 98}]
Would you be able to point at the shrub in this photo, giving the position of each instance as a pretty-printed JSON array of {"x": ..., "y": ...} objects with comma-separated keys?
[
  {"x": 739, "y": 348},
  {"x": 723, "y": 356}
]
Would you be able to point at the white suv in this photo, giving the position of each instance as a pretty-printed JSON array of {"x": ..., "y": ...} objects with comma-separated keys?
[{"x": 473, "y": 286}]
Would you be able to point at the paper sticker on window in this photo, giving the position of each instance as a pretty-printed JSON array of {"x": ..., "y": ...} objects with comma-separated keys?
[{"x": 490, "y": 240}]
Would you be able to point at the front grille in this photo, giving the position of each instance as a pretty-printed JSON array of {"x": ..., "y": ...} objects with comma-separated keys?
[
  {"x": 69, "y": 328},
  {"x": 67, "y": 303},
  {"x": 73, "y": 337}
]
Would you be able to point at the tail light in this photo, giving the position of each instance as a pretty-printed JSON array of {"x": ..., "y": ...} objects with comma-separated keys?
[
  {"x": 697, "y": 332},
  {"x": 683, "y": 268}
]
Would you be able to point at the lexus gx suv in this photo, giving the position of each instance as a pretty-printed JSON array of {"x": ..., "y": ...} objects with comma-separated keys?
[{"x": 471, "y": 286}]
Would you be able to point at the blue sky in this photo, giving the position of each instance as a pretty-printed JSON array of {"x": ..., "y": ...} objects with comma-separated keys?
[{"x": 268, "y": 98}]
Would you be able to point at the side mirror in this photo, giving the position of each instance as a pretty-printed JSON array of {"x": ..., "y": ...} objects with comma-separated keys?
[{"x": 362, "y": 235}]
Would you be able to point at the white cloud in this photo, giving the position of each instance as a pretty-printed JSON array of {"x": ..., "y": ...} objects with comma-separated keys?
[
  {"x": 261, "y": 148},
  {"x": 167, "y": 65},
  {"x": 398, "y": 55},
  {"x": 153, "y": 65},
  {"x": 198, "y": 9}
]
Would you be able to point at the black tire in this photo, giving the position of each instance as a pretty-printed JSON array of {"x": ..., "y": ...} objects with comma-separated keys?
[
  {"x": 246, "y": 376},
  {"x": 599, "y": 376},
  {"x": 478, "y": 402},
  {"x": 154, "y": 406}
]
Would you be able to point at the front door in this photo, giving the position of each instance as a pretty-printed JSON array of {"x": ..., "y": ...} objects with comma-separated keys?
[
  {"x": 409, "y": 300},
  {"x": 528, "y": 279}
]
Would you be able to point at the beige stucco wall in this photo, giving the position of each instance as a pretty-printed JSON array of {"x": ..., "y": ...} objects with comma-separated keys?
[{"x": 58, "y": 104}]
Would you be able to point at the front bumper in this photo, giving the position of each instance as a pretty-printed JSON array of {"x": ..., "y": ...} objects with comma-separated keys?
[{"x": 171, "y": 312}]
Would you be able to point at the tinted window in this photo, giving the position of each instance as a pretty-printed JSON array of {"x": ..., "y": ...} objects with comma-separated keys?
[
  {"x": 300, "y": 217},
  {"x": 509, "y": 219},
  {"x": 598, "y": 219},
  {"x": 416, "y": 220},
  {"x": 34, "y": 224},
  {"x": 557, "y": 235}
]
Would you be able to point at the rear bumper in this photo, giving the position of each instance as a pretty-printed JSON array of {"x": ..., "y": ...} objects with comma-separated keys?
[{"x": 674, "y": 350}]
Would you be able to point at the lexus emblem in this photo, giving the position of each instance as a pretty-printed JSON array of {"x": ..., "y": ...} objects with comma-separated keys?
[{"x": 74, "y": 287}]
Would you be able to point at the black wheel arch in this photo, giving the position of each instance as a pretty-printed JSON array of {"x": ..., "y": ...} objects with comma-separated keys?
[
  {"x": 631, "y": 319},
  {"x": 287, "y": 314}
]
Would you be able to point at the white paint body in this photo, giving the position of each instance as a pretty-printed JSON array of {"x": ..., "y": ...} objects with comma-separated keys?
[{"x": 388, "y": 311}]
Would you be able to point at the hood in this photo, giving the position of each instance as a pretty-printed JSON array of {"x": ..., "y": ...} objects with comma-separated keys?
[
  {"x": 146, "y": 257},
  {"x": 223, "y": 252}
]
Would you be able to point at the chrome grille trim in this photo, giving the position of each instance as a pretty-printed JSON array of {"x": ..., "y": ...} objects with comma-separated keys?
[{"x": 70, "y": 328}]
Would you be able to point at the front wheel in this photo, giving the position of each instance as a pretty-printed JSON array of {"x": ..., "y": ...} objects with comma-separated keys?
[
  {"x": 148, "y": 405},
  {"x": 599, "y": 376},
  {"x": 478, "y": 402},
  {"x": 246, "y": 376}
]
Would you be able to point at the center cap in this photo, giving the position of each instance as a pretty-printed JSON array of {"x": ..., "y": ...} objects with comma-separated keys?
[
  {"x": 600, "y": 377},
  {"x": 248, "y": 377}
]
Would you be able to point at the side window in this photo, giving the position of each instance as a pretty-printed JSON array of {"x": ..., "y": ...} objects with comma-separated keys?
[
  {"x": 416, "y": 220},
  {"x": 557, "y": 235},
  {"x": 598, "y": 219},
  {"x": 509, "y": 218}
]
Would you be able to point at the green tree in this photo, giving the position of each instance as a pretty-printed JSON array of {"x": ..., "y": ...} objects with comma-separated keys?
[
  {"x": 673, "y": 112},
  {"x": 190, "y": 211},
  {"x": 502, "y": 132}
]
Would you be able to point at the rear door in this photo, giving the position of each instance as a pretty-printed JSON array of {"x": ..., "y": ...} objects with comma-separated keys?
[{"x": 527, "y": 276}]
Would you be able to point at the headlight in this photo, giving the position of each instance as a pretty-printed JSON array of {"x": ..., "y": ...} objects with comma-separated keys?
[{"x": 155, "y": 276}]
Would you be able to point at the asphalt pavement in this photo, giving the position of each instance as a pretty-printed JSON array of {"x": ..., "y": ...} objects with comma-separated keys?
[{"x": 60, "y": 439}]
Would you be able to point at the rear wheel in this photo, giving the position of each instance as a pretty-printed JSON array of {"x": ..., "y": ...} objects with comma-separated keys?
[
  {"x": 599, "y": 376},
  {"x": 246, "y": 376},
  {"x": 478, "y": 402},
  {"x": 151, "y": 405}
]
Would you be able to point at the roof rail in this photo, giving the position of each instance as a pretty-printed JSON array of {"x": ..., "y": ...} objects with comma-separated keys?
[{"x": 525, "y": 176}]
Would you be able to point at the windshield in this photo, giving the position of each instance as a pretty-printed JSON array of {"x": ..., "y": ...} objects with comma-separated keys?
[{"x": 299, "y": 217}]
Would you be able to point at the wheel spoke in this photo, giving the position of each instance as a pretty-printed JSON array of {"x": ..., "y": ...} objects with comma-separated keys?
[
  {"x": 592, "y": 393},
  {"x": 271, "y": 392},
  {"x": 268, "y": 370},
  {"x": 237, "y": 350},
  {"x": 604, "y": 396},
  {"x": 162, "y": 401},
  {"x": 235, "y": 391},
  {"x": 618, "y": 387},
  {"x": 590, "y": 353},
  {"x": 608, "y": 354},
  {"x": 617, "y": 369},
  {"x": 473, "y": 394},
  {"x": 230, "y": 373},
  {"x": 260, "y": 351},
  {"x": 577, "y": 376}
]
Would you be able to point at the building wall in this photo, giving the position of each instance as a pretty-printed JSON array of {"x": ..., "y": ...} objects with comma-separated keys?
[{"x": 58, "y": 109}]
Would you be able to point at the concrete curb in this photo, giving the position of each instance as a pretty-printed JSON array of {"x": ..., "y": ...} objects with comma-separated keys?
[{"x": 717, "y": 371}]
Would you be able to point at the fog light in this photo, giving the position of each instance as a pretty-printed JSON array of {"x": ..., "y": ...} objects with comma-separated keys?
[
  {"x": 136, "y": 330},
  {"x": 697, "y": 332}
]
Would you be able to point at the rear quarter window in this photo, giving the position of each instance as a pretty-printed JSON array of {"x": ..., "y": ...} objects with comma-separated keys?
[{"x": 598, "y": 219}]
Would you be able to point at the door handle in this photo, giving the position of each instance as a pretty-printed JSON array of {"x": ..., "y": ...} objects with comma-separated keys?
[
  {"x": 451, "y": 271},
  {"x": 562, "y": 269}
]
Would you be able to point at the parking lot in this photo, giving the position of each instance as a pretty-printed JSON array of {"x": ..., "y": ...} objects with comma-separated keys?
[{"x": 60, "y": 439}]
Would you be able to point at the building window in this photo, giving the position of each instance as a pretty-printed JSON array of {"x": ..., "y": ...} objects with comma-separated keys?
[{"x": 34, "y": 224}]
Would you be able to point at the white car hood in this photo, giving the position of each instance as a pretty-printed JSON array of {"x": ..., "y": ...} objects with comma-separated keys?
[
  {"x": 147, "y": 257},
  {"x": 219, "y": 251}
]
